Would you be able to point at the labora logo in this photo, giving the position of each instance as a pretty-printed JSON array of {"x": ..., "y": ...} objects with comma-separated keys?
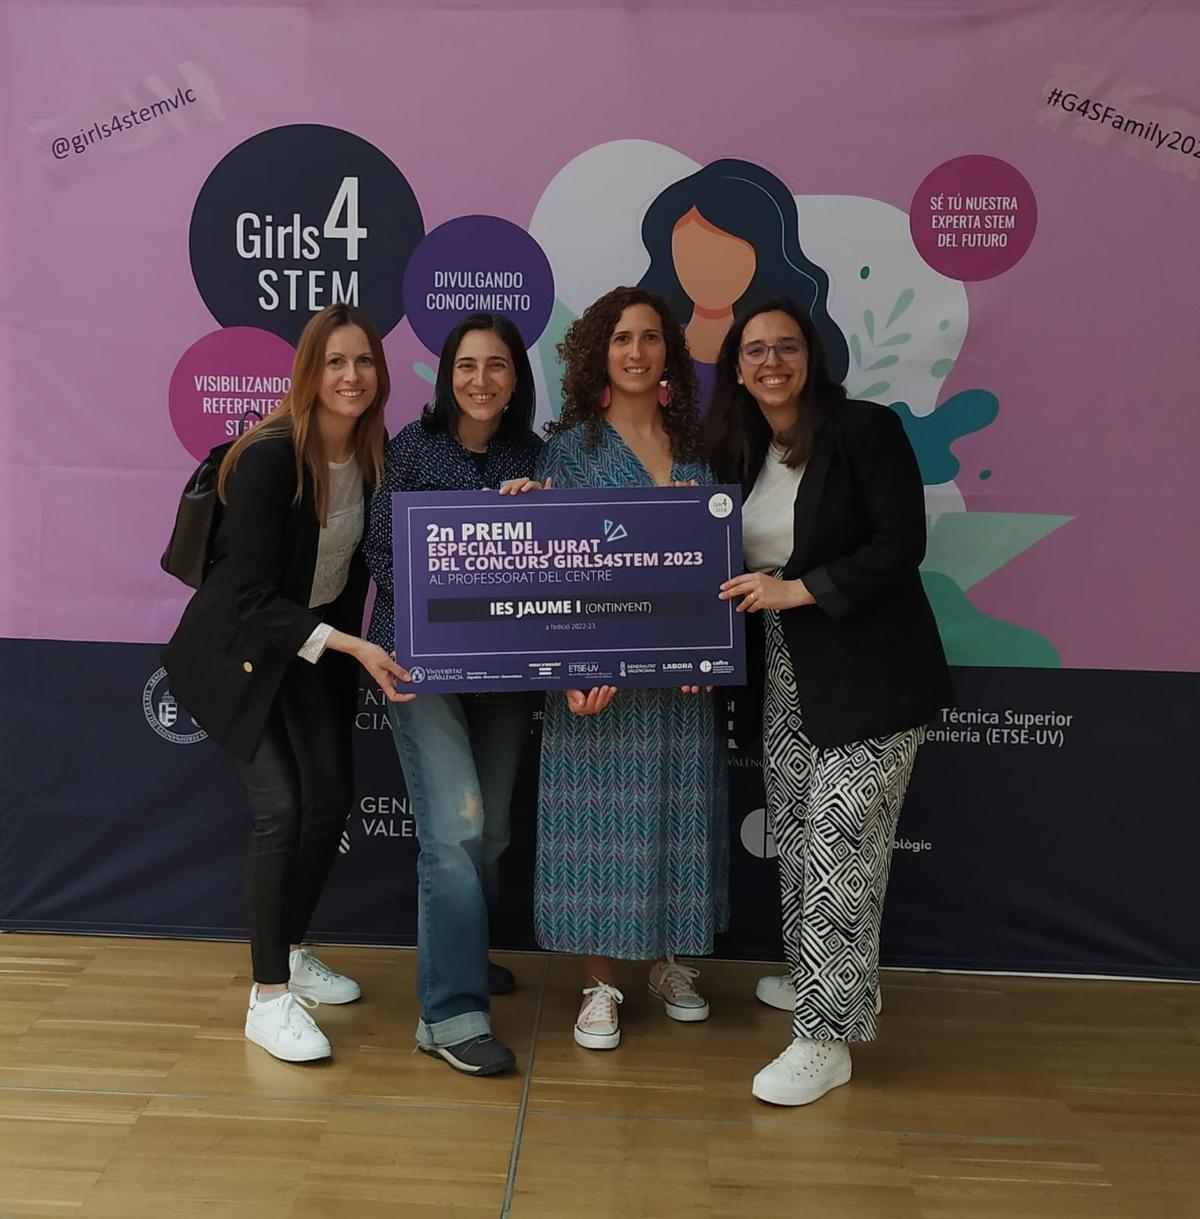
[{"x": 166, "y": 716}]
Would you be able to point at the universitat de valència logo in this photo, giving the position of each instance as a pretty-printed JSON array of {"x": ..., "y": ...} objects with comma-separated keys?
[{"x": 166, "y": 716}]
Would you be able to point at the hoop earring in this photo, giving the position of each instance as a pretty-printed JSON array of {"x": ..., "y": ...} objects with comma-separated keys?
[{"x": 606, "y": 398}]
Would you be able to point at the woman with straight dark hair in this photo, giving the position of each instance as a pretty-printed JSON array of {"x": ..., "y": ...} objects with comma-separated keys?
[
  {"x": 459, "y": 752},
  {"x": 632, "y": 859},
  {"x": 833, "y": 533},
  {"x": 263, "y": 658}
]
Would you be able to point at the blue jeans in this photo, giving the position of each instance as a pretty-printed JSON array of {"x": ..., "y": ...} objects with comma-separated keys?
[{"x": 460, "y": 756}]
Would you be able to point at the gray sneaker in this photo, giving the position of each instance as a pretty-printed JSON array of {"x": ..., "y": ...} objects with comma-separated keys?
[{"x": 482, "y": 1055}]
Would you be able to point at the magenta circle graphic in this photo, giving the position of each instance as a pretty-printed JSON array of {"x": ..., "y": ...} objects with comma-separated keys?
[
  {"x": 222, "y": 380},
  {"x": 477, "y": 264},
  {"x": 973, "y": 217}
]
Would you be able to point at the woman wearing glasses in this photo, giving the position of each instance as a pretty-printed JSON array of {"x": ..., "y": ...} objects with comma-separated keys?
[{"x": 833, "y": 534}]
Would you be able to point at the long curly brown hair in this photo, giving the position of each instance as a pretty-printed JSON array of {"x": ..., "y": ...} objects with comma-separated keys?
[{"x": 584, "y": 356}]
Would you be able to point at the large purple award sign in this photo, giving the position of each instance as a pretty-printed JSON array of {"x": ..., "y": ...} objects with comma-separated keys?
[{"x": 554, "y": 589}]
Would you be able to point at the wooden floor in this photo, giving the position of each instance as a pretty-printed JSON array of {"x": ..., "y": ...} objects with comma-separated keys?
[{"x": 127, "y": 1091}]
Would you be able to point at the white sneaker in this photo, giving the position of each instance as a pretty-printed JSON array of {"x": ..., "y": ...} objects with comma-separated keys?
[
  {"x": 597, "y": 1027},
  {"x": 672, "y": 983},
  {"x": 804, "y": 1072},
  {"x": 283, "y": 1028},
  {"x": 313, "y": 979},
  {"x": 777, "y": 991}
]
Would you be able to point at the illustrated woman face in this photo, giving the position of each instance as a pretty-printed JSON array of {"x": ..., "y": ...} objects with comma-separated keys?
[
  {"x": 713, "y": 266},
  {"x": 484, "y": 377},
  {"x": 637, "y": 352},
  {"x": 773, "y": 364},
  {"x": 349, "y": 381}
]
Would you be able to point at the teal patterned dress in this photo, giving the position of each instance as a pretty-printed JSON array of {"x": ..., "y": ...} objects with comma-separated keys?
[{"x": 633, "y": 838}]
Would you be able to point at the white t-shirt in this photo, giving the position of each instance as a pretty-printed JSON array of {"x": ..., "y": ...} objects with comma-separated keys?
[
  {"x": 768, "y": 514},
  {"x": 340, "y": 534},
  {"x": 335, "y": 547}
]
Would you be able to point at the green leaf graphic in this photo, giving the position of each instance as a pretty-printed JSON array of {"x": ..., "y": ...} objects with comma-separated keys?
[
  {"x": 873, "y": 391},
  {"x": 902, "y": 302},
  {"x": 969, "y": 546}
]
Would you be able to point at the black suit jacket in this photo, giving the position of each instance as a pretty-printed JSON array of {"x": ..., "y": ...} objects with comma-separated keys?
[
  {"x": 250, "y": 617},
  {"x": 867, "y": 656}
]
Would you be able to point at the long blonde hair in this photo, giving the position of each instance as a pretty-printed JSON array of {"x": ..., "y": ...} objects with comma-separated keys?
[{"x": 293, "y": 417}]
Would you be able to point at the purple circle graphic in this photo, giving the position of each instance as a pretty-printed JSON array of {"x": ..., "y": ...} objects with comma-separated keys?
[
  {"x": 973, "y": 217},
  {"x": 477, "y": 264},
  {"x": 222, "y": 377}
]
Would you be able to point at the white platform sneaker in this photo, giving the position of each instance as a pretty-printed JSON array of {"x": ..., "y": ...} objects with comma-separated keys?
[
  {"x": 283, "y": 1027},
  {"x": 804, "y": 1072},
  {"x": 313, "y": 979}
]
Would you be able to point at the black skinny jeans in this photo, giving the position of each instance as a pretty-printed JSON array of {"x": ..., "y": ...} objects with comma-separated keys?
[{"x": 300, "y": 786}]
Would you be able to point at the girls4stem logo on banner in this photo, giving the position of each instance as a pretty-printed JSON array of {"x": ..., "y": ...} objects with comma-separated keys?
[{"x": 300, "y": 217}]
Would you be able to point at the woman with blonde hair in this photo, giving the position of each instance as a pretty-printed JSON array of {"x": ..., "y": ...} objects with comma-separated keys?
[{"x": 263, "y": 658}]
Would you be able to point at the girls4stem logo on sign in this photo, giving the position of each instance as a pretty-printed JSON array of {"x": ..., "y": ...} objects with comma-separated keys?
[{"x": 300, "y": 217}]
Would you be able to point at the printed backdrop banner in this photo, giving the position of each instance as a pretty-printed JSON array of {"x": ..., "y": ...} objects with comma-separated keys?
[{"x": 1002, "y": 255}]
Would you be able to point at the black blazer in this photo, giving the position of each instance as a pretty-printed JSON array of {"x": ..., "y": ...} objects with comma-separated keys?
[
  {"x": 250, "y": 617},
  {"x": 867, "y": 656}
]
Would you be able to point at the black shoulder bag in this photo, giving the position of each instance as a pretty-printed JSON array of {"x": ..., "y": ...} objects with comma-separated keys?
[{"x": 188, "y": 555}]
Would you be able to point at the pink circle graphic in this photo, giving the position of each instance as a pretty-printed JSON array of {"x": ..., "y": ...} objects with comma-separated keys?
[
  {"x": 973, "y": 217},
  {"x": 222, "y": 379}
]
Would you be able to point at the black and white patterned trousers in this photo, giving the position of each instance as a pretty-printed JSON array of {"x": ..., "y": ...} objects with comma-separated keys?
[{"x": 833, "y": 812}]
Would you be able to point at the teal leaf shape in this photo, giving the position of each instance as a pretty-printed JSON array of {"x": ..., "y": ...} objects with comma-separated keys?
[
  {"x": 973, "y": 638},
  {"x": 969, "y": 546},
  {"x": 941, "y": 368},
  {"x": 902, "y": 302},
  {"x": 425, "y": 372},
  {"x": 869, "y": 324},
  {"x": 856, "y": 350},
  {"x": 873, "y": 391},
  {"x": 895, "y": 340},
  {"x": 886, "y": 362}
]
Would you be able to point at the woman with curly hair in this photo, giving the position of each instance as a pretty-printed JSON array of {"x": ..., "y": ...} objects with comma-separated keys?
[{"x": 632, "y": 854}]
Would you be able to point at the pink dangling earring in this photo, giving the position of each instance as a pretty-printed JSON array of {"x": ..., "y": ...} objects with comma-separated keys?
[
  {"x": 664, "y": 393},
  {"x": 606, "y": 398}
]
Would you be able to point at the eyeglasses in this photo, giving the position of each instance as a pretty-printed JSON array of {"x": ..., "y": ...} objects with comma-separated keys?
[{"x": 787, "y": 350}]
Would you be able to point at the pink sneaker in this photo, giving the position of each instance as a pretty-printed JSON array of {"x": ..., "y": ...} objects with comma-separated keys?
[
  {"x": 673, "y": 984},
  {"x": 597, "y": 1026}
]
